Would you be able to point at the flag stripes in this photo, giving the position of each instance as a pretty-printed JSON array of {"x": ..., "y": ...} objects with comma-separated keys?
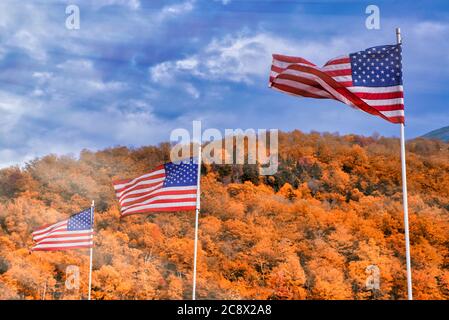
[
  {"x": 335, "y": 80},
  {"x": 170, "y": 187},
  {"x": 73, "y": 233}
]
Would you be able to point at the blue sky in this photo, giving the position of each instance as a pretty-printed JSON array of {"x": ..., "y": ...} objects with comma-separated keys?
[{"x": 137, "y": 69}]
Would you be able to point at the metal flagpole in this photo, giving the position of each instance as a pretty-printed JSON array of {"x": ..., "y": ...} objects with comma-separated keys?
[
  {"x": 195, "y": 252},
  {"x": 405, "y": 201},
  {"x": 91, "y": 248}
]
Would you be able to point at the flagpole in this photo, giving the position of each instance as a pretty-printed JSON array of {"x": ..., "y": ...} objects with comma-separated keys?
[
  {"x": 91, "y": 249},
  {"x": 197, "y": 212},
  {"x": 405, "y": 200}
]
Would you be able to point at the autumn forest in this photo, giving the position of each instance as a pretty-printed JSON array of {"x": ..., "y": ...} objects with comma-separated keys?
[{"x": 311, "y": 231}]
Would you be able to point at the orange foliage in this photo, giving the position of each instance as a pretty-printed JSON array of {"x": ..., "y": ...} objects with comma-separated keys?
[{"x": 308, "y": 232}]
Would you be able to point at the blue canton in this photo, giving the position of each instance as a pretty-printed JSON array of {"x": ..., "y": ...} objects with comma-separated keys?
[
  {"x": 182, "y": 174},
  {"x": 377, "y": 67},
  {"x": 80, "y": 221}
]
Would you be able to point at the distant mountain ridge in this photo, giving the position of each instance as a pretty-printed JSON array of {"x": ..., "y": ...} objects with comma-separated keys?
[{"x": 442, "y": 134}]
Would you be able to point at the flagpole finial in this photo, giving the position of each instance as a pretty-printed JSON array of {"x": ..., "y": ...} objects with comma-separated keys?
[
  {"x": 398, "y": 35},
  {"x": 93, "y": 203}
]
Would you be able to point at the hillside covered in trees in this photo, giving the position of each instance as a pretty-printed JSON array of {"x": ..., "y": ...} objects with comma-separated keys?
[{"x": 309, "y": 232}]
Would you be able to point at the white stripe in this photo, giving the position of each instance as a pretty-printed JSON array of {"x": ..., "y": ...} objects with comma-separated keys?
[
  {"x": 119, "y": 194},
  {"x": 386, "y": 102},
  {"x": 285, "y": 92},
  {"x": 284, "y": 65},
  {"x": 342, "y": 66},
  {"x": 161, "y": 205},
  {"x": 395, "y": 113},
  {"x": 148, "y": 175},
  {"x": 305, "y": 87},
  {"x": 140, "y": 191},
  {"x": 336, "y": 95},
  {"x": 338, "y": 58},
  {"x": 300, "y": 85},
  {"x": 57, "y": 245},
  {"x": 61, "y": 228},
  {"x": 346, "y": 101},
  {"x": 336, "y": 78},
  {"x": 163, "y": 197},
  {"x": 86, "y": 238},
  {"x": 331, "y": 90},
  {"x": 61, "y": 233},
  {"x": 343, "y": 78},
  {"x": 49, "y": 227},
  {"x": 376, "y": 89},
  {"x": 158, "y": 191}
]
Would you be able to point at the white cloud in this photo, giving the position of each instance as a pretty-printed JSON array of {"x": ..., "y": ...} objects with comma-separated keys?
[
  {"x": 38, "y": 29},
  {"x": 243, "y": 58},
  {"x": 134, "y": 124},
  {"x": 11, "y": 108},
  {"x": 430, "y": 29},
  {"x": 131, "y": 4},
  {"x": 30, "y": 42},
  {"x": 79, "y": 76},
  {"x": 190, "y": 89},
  {"x": 165, "y": 74},
  {"x": 174, "y": 10},
  {"x": 162, "y": 72}
]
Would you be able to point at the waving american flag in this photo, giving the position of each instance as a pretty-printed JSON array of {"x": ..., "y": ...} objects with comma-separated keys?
[
  {"x": 73, "y": 233},
  {"x": 369, "y": 80},
  {"x": 169, "y": 187}
]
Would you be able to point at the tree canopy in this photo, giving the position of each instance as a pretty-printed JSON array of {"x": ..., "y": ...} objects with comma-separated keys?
[{"x": 310, "y": 231}]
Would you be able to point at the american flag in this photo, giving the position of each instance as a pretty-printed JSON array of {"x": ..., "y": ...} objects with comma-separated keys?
[
  {"x": 169, "y": 187},
  {"x": 370, "y": 80},
  {"x": 73, "y": 233}
]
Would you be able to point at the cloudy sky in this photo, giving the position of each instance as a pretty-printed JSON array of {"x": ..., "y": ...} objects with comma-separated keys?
[{"x": 137, "y": 69}]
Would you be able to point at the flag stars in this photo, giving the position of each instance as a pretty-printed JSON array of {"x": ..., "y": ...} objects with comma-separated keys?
[
  {"x": 183, "y": 174},
  {"x": 379, "y": 66}
]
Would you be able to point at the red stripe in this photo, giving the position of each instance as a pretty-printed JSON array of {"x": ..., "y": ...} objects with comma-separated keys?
[
  {"x": 121, "y": 181},
  {"x": 346, "y": 83},
  {"x": 128, "y": 180},
  {"x": 163, "y": 193},
  {"x": 44, "y": 226},
  {"x": 297, "y": 91},
  {"x": 159, "y": 202},
  {"x": 174, "y": 208},
  {"x": 290, "y": 59},
  {"x": 397, "y": 119},
  {"x": 277, "y": 69},
  {"x": 64, "y": 236},
  {"x": 300, "y": 79},
  {"x": 48, "y": 225},
  {"x": 339, "y": 88},
  {"x": 67, "y": 241},
  {"x": 128, "y": 194},
  {"x": 392, "y": 107},
  {"x": 61, "y": 248},
  {"x": 157, "y": 176},
  {"x": 45, "y": 234},
  {"x": 380, "y": 95},
  {"x": 338, "y": 61},
  {"x": 337, "y": 73}
]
